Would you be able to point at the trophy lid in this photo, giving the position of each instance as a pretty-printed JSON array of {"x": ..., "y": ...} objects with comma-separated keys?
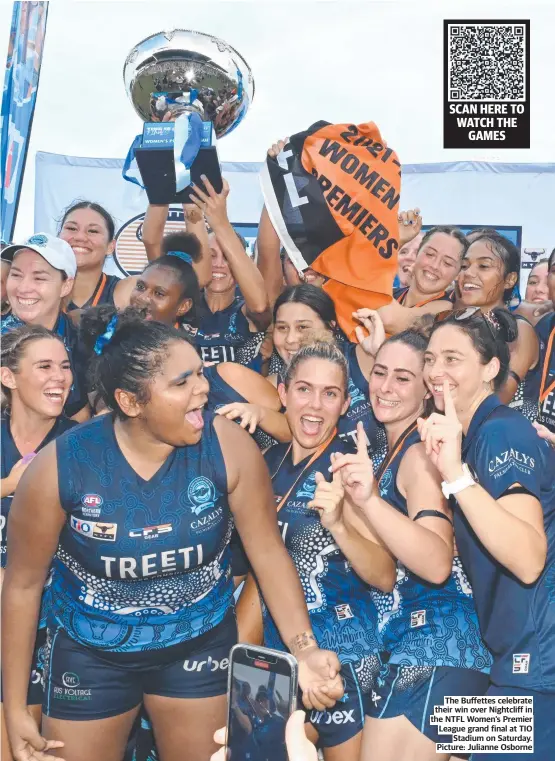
[{"x": 178, "y": 70}]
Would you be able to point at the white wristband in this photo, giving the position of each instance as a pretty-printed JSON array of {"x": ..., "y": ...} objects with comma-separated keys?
[{"x": 450, "y": 489}]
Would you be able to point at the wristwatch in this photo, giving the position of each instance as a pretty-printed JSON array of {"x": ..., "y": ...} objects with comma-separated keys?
[{"x": 461, "y": 483}]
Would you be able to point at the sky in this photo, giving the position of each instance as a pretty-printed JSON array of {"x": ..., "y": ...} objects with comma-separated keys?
[{"x": 339, "y": 61}]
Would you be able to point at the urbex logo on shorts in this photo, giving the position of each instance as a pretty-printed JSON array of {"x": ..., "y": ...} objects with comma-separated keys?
[
  {"x": 337, "y": 717},
  {"x": 95, "y": 530},
  {"x": 211, "y": 664}
]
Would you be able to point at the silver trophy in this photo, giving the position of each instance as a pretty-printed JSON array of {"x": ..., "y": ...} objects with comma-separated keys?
[{"x": 176, "y": 73}]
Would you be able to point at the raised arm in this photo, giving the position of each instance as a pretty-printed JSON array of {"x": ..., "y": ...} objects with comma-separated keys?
[
  {"x": 269, "y": 261},
  {"x": 244, "y": 270},
  {"x": 36, "y": 520},
  {"x": 153, "y": 230},
  {"x": 251, "y": 501}
]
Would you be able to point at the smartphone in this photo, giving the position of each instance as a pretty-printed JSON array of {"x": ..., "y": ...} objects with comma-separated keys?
[{"x": 261, "y": 695}]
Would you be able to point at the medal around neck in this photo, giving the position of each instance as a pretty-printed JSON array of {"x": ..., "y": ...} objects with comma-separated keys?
[{"x": 190, "y": 89}]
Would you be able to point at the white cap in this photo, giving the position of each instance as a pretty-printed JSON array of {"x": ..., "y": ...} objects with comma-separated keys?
[{"x": 55, "y": 251}]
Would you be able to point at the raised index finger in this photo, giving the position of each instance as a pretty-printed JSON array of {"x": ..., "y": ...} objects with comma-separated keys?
[
  {"x": 362, "y": 447},
  {"x": 449, "y": 404}
]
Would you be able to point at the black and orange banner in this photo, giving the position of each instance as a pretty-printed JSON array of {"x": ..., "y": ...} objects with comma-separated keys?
[{"x": 333, "y": 196}]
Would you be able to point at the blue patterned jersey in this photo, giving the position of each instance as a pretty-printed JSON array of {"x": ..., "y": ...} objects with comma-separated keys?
[
  {"x": 225, "y": 336},
  {"x": 9, "y": 456},
  {"x": 102, "y": 294},
  {"x": 360, "y": 409},
  {"x": 424, "y": 624},
  {"x": 541, "y": 380},
  {"x": 342, "y": 615},
  {"x": 67, "y": 331},
  {"x": 517, "y": 620},
  {"x": 141, "y": 565}
]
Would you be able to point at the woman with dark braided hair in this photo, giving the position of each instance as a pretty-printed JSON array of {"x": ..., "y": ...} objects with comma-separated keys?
[
  {"x": 36, "y": 378},
  {"x": 500, "y": 473},
  {"x": 135, "y": 511}
]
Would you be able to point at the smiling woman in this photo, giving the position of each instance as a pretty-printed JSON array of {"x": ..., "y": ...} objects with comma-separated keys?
[
  {"x": 120, "y": 502},
  {"x": 36, "y": 378}
]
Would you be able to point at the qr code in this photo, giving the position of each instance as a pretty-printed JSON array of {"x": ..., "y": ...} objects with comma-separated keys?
[{"x": 487, "y": 62}]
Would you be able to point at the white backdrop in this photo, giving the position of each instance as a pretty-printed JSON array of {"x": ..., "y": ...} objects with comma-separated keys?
[{"x": 464, "y": 193}]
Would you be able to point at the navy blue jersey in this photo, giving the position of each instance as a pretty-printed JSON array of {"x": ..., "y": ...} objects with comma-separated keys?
[
  {"x": 67, "y": 331},
  {"x": 538, "y": 397},
  {"x": 360, "y": 409},
  {"x": 141, "y": 565},
  {"x": 517, "y": 620},
  {"x": 225, "y": 336},
  {"x": 424, "y": 624},
  {"x": 221, "y": 393},
  {"x": 342, "y": 615},
  {"x": 103, "y": 293},
  {"x": 10, "y": 455}
]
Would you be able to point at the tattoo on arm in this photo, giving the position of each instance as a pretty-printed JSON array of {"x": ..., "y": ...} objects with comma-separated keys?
[{"x": 301, "y": 642}]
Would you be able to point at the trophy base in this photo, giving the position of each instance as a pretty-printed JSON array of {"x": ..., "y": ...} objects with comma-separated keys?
[{"x": 157, "y": 170}]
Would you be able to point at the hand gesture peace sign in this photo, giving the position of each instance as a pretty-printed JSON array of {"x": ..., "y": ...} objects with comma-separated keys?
[
  {"x": 328, "y": 498},
  {"x": 356, "y": 470},
  {"x": 442, "y": 435}
]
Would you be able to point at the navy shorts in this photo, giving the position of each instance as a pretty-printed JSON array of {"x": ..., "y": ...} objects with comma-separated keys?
[
  {"x": 544, "y": 726},
  {"x": 346, "y": 718},
  {"x": 413, "y": 691},
  {"x": 83, "y": 683},
  {"x": 35, "y": 690}
]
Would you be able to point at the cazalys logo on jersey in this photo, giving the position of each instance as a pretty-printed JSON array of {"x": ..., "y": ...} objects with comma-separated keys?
[{"x": 201, "y": 495}]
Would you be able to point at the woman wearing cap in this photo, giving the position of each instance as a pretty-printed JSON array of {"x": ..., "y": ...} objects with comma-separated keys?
[
  {"x": 90, "y": 231},
  {"x": 36, "y": 378},
  {"x": 41, "y": 275}
]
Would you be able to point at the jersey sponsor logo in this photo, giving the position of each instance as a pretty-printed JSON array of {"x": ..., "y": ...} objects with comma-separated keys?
[
  {"x": 417, "y": 618},
  {"x": 216, "y": 353},
  {"x": 91, "y": 505},
  {"x": 153, "y": 564},
  {"x": 211, "y": 664},
  {"x": 208, "y": 521},
  {"x": 343, "y": 612},
  {"x": 94, "y": 529},
  {"x": 335, "y": 717},
  {"x": 508, "y": 459},
  {"x": 308, "y": 487},
  {"x": 283, "y": 526},
  {"x": 521, "y": 663},
  {"x": 355, "y": 393},
  {"x": 150, "y": 532},
  {"x": 201, "y": 494},
  {"x": 385, "y": 482}
]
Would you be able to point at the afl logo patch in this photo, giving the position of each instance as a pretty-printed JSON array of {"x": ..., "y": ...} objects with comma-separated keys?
[{"x": 92, "y": 500}]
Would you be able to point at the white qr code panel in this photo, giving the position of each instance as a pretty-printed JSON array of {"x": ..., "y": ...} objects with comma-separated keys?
[{"x": 487, "y": 62}]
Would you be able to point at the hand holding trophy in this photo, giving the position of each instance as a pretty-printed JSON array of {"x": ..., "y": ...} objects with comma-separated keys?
[{"x": 189, "y": 88}]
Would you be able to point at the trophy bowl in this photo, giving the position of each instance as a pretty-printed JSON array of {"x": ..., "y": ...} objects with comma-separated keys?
[{"x": 182, "y": 70}]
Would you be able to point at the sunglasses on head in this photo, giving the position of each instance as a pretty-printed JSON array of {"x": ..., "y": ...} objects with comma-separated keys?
[{"x": 463, "y": 315}]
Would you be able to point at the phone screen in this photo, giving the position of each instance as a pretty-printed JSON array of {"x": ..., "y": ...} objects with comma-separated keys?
[{"x": 260, "y": 703}]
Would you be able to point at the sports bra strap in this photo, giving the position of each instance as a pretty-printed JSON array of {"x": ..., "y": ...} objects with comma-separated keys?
[{"x": 431, "y": 514}]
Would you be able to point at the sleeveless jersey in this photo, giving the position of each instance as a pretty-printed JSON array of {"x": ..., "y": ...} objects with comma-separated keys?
[
  {"x": 221, "y": 393},
  {"x": 424, "y": 624},
  {"x": 9, "y": 456},
  {"x": 103, "y": 293},
  {"x": 538, "y": 396},
  {"x": 524, "y": 400},
  {"x": 225, "y": 336},
  {"x": 342, "y": 615},
  {"x": 67, "y": 331},
  {"x": 400, "y": 295},
  {"x": 517, "y": 620},
  {"x": 141, "y": 565}
]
